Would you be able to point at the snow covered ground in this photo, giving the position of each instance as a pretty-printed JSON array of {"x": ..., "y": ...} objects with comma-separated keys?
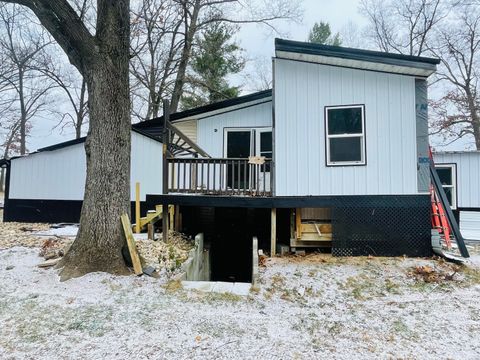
[{"x": 310, "y": 307}]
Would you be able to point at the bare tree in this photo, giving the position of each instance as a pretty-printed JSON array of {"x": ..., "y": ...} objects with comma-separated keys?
[
  {"x": 103, "y": 60},
  {"x": 457, "y": 44},
  {"x": 22, "y": 44},
  {"x": 259, "y": 74},
  {"x": 164, "y": 34},
  {"x": 200, "y": 13},
  {"x": 72, "y": 87},
  {"x": 156, "y": 42},
  {"x": 403, "y": 26},
  {"x": 351, "y": 36}
]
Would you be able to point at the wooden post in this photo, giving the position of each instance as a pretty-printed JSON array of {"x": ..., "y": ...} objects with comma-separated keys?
[
  {"x": 166, "y": 139},
  {"x": 151, "y": 232},
  {"x": 137, "y": 207},
  {"x": 273, "y": 233},
  {"x": 298, "y": 223},
  {"x": 171, "y": 213},
  {"x": 177, "y": 218}
]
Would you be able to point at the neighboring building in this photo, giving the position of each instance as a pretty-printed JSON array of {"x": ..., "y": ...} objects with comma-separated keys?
[
  {"x": 335, "y": 155},
  {"x": 459, "y": 172}
]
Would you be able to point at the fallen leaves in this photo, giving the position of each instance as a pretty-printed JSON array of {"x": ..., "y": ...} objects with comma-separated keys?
[{"x": 430, "y": 274}]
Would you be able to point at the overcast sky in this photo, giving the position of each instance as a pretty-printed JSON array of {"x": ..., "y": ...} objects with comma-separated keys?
[{"x": 258, "y": 43}]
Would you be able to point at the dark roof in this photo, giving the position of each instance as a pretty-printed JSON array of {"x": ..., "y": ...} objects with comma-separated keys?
[
  {"x": 82, "y": 140},
  {"x": 156, "y": 122},
  {"x": 352, "y": 54}
]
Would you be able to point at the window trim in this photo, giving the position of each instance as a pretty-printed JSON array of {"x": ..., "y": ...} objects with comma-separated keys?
[
  {"x": 361, "y": 135},
  {"x": 454, "y": 186}
]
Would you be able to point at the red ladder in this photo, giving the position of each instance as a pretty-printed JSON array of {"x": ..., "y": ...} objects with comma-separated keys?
[{"x": 439, "y": 218}]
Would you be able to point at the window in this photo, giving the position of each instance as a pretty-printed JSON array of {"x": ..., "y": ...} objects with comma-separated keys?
[
  {"x": 448, "y": 177},
  {"x": 345, "y": 131}
]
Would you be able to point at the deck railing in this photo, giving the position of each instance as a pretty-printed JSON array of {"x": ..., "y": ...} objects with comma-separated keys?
[{"x": 220, "y": 176}]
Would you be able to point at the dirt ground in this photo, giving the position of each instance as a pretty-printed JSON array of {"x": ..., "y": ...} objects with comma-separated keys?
[{"x": 312, "y": 307}]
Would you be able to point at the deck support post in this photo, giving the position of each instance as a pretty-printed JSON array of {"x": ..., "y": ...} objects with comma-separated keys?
[
  {"x": 273, "y": 232},
  {"x": 137, "y": 207},
  {"x": 165, "y": 222}
]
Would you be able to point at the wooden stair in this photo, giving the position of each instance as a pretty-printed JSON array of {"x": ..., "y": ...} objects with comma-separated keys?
[
  {"x": 155, "y": 216},
  {"x": 311, "y": 233}
]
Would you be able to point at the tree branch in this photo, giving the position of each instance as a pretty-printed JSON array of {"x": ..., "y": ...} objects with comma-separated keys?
[{"x": 63, "y": 23}]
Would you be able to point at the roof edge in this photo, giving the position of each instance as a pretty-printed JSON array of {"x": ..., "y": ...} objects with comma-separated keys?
[
  {"x": 83, "y": 138},
  {"x": 348, "y": 53},
  {"x": 208, "y": 108}
]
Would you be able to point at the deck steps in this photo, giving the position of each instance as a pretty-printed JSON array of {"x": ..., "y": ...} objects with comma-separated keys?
[
  {"x": 154, "y": 216},
  {"x": 311, "y": 232}
]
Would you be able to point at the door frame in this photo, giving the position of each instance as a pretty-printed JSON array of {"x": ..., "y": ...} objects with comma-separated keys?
[
  {"x": 253, "y": 137},
  {"x": 255, "y": 132}
]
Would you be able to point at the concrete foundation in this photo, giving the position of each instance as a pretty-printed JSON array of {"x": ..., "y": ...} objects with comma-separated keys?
[{"x": 197, "y": 266}]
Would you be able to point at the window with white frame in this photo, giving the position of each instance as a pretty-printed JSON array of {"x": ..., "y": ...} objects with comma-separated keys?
[
  {"x": 345, "y": 135},
  {"x": 448, "y": 177}
]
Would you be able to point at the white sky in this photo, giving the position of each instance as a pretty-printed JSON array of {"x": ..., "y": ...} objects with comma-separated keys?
[{"x": 258, "y": 43}]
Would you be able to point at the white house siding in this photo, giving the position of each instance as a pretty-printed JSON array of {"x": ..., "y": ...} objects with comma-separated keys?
[
  {"x": 60, "y": 174},
  {"x": 302, "y": 90},
  {"x": 146, "y": 166},
  {"x": 210, "y": 129},
  {"x": 468, "y": 176}
]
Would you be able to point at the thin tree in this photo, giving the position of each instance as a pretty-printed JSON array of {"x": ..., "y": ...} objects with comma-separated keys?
[
  {"x": 198, "y": 14},
  {"x": 103, "y": 59},
  {"x": 457, "y": 44},
  {"x": 22, "y": 45},
  {"x": 73, "y": 88},
  {"x": 163, "y": 40},
  {"x": 403, "y": 26},
  {"x": 156, "y": 44}
]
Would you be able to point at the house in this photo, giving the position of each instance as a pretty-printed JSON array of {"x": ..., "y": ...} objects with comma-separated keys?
[
  {"x": 335, "y": 156},
  {"x": 459, "y": 172},
  {"x": 48, "y": 185}
]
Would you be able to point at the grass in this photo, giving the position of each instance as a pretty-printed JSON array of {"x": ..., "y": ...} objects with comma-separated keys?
[{"x": 173, "y": 286}]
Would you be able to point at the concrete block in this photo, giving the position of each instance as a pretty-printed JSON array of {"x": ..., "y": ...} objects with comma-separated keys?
[
  {"x": 241, "y": 289},
  {"x": 204, "y": 286},
  {"x": 300, "y": 252},
  {"x": 283, "y": 249},
  {"x": 222, "y": 287}
]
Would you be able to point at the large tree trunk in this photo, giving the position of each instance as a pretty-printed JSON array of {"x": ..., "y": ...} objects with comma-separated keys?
[{"x": 99, "y": 242}]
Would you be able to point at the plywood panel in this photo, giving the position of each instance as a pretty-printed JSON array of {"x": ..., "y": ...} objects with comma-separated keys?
[{"x": 316, "y": 213}]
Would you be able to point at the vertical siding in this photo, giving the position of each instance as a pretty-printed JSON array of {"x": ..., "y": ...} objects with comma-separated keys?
[
  {"x": 468, "y": 176},
  {"x": 49, "y": 175},
  {"x": 60, "y": 174},
  {"x": 302, "y": 90},
  {"x": 210, "y": 130},
  {"x": 146, "y": 165}
]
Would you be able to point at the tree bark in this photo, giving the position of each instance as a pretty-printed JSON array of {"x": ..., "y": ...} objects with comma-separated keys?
[
  {"x": 103, "y": 60},
  {"x": 100, "y": 239}
]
